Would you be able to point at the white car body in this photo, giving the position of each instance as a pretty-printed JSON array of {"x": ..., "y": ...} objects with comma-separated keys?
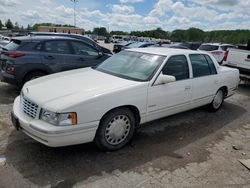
[
  {"x": 217, "y": 50},
  {"x": 91, "y": 94},
  {"x": 240, "y": 59}
]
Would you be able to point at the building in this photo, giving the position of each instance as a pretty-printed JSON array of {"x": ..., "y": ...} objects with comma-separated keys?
[{"x": 72, "y": 30}]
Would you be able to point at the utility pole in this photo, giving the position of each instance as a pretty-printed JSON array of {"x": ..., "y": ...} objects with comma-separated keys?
[{"x": 74, "y": 1}]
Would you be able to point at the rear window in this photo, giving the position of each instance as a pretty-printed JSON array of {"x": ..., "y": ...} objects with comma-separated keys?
[
  {"x": 208, "y": 47},
  {"x": 224, "y": 48},
  {"x": 12, "y": 46},
  {"x": 28, "y": 46}
]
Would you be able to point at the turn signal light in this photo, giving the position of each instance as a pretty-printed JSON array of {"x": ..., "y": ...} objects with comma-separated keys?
[{"x": 11, "y": 69}]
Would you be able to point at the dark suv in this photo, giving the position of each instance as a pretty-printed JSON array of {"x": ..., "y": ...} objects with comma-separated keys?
[
  {"x": 26, "y": 58},
  {"x": 75, "y": 36}
]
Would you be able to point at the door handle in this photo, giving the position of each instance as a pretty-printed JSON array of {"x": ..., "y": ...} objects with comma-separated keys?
[
  {"x": 49, "y": 57},
  {"x": 187, "y": 87}
]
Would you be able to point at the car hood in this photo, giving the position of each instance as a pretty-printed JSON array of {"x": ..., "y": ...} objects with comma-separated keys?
[{"x": 81, "y": 83}]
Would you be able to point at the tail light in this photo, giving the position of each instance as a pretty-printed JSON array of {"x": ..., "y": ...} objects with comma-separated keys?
[
  {"x": 225, "y": 56},
  {"x": 14, "y": 54}
]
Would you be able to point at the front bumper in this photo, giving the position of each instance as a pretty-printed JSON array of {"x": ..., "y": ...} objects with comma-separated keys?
[{"x": 50, "y": 135}]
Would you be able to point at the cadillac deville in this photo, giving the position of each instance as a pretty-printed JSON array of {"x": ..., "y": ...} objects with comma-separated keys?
[{"x": 106, "y": 103}]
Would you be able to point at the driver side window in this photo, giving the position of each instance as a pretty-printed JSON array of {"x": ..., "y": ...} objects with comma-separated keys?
[
  {"x": 82, "y": 49},
  {"x": 177, "y": 66}
]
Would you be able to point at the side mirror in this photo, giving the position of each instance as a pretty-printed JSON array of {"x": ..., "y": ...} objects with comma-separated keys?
[
  {"x": 100, "y": 54},
  {"x": 164, "y": 79}
]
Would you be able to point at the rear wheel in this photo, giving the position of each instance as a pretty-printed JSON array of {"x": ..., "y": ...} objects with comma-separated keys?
[
  {"x": 115, "y": 130},
  {"x": 217, "y": 101}
]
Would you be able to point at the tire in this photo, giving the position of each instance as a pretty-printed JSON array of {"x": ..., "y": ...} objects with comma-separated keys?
[
  {"x": 116, "y": 129},
  {"x": 33, "y": 75},
  {"x": 217, "y": 102}
]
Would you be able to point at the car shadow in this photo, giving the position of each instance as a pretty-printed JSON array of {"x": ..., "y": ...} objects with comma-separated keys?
[
  {"x": 8, "y": 93},
  {"x": 162, "y": 138}
]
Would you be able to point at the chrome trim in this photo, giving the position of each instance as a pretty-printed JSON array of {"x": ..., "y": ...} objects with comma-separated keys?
[
  {"x": 62, "y": 131},
  {"x": 29, "y": 108}
]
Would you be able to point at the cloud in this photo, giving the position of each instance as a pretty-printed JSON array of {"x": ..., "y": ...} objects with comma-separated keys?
[
  {"x": 31, "y": 14},
  {"x": 167, "y": 14},
  {"x": 122, "y": 8},
  {"x": 64, "y": 11},
  {"x": 131, "y": 1},
  {"x": 161, "y": 7},
  {"x": 46, "y": 2},
  {"x": 9, "y": 2}
]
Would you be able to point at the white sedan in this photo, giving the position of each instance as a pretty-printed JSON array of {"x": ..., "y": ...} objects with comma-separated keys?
[{"x": 106, "y": 103}]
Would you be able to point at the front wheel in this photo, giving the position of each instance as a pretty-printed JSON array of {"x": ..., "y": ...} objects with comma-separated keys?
[
  {"x": 33, "y": 75},
  {"x": 217, "y": 102},
  {"x": 115, "y": 130}
]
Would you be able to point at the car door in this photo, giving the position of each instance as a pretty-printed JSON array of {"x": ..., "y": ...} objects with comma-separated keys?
[
  {"x": 205, "y": 80},
  {"x": 84, "y": 55},
  {"x": 170, "y": 98},
  {"x": 55, "y": 53}
]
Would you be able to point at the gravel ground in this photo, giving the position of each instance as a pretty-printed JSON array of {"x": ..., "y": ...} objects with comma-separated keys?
[{"x": 191, "y": 149}]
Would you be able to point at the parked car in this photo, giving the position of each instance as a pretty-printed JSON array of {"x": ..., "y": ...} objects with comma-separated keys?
[
  {"x": 118, "y": 46},
  {"x": 176, "y": 46},
  {"x": 106, "y": 103},
  {"x": 4, "y": 40},
  {"x": 27, "y": 58},
  {"x": 191, "y": 45},
  {"x": 240, "y": 59},
  {"x": 217, "y": 50},
  {"x": 138, "y": 45},
  {"x": 84, "y": 38}
]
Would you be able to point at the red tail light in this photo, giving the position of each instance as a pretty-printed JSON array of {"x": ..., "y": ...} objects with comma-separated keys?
[
  {"x": 14, "y": 54},
  {"x": 225, "y": 56}
]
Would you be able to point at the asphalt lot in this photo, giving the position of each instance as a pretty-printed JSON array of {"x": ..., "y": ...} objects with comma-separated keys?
[{"x": 191, "y": 149}]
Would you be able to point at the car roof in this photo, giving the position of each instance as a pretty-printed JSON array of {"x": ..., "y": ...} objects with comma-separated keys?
[
  {"x": 227, "y": 45},
  {"x": 165, "y": 51},
  {"x": 217, "y": 44},
  {"x": 57, "y": 34},
  {"x": 212, "y": 44},
  {"x": 39, "y": 38}
]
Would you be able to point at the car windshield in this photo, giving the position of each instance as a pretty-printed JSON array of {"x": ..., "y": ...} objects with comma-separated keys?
[{"x": 132, "y": 65}]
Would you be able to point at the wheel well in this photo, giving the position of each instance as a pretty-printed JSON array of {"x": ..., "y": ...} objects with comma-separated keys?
[
  {"x": 30, "y": 72},
  {"x": 225, "y": 90},
  {"x": 132, "y": 108}
]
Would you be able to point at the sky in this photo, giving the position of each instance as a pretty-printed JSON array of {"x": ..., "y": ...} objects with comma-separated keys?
[{"x": 131, "y": 15}]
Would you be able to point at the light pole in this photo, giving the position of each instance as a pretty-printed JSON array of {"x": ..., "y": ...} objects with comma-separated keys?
[{"x": 74, "y": 1}]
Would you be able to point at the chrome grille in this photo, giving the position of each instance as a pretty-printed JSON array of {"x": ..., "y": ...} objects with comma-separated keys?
[{"x": 29, "y": 108}]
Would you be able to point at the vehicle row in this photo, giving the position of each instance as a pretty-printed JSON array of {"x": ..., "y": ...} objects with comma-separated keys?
[{"x": 218, "y": 50}]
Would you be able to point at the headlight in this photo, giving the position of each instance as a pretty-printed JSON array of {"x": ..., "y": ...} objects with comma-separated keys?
[{"x": 59, "y": 119}]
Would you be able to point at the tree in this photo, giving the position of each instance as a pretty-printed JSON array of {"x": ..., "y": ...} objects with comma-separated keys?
[
  {"x": 87, "y": 32},
  {"x": 1, "y": 24},
  {"x": 118, "y": 33},
  {"x": 194, "y": 34},
  {"x": 29, "y": 28},
  {"x": 16, "y": 26},
  {"x": 102, "y": 31},
  {"x": 9, "y": 24}
]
